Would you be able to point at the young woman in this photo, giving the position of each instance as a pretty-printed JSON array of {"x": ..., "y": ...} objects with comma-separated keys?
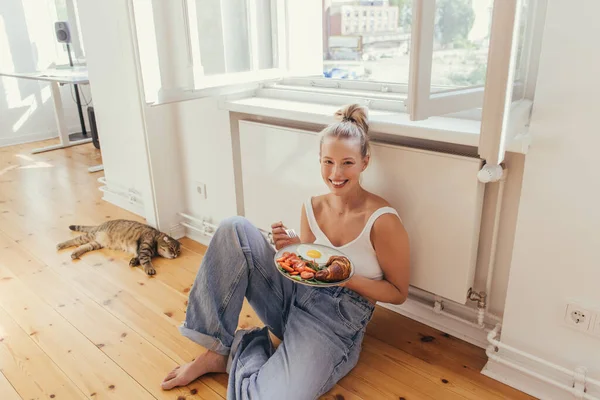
[{"x": 321, "y": 328}]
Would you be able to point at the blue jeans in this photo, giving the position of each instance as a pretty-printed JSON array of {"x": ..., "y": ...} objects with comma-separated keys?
[{"x": 321, "y": 328}]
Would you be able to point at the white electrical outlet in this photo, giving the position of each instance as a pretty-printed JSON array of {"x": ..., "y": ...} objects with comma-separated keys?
[
  {"x": 201, "y": 189},
  {"x": 132, "y": 196},
  {"x": 578, "y": 317}
]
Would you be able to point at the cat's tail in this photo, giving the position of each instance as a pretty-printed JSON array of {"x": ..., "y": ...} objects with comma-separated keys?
[{"x": 81, "y": 228}]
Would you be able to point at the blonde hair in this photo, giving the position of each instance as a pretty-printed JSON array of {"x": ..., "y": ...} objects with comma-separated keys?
[{"x": 353, "y": 124}]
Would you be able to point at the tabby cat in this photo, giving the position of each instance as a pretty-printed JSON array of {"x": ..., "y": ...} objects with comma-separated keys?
[{"x": 143, "y": 241}]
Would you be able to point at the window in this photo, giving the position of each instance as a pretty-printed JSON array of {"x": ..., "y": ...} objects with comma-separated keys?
[
  {"x": 377, "y": 56},
  {"x": 460, "y": 43},
  {"x": 204, "y": 44},
  {"x": 432, "y": 57},
  {"x": 66, "y": 10}
]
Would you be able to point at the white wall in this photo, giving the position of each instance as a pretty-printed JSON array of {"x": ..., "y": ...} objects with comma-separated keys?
[
  {"x": 207, "y": 157},
  {"x": 188, "y": 142},
  {"x": 119, "y": 113},
  {"x": 28, "y": 44},
  {"x": 557, "y": 239}
]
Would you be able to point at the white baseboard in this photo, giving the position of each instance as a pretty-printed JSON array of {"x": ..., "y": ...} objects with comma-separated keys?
[
  {"x": 177, "y": 232},
  {"x": 522, "y": 382},
  {"x": 22, "y": 139},
  {"x": 202, "y": 239},
  {"x": 119, "y": 201},
  {"x": 39, "y": 136},
  {"x": 530, "y": 384}
]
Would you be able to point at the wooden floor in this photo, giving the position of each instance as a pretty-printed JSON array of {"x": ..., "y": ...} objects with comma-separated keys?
[{"x": 98, "y": 329}]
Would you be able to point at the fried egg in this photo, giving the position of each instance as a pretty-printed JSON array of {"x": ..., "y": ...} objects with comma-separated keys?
[{"x": 311, "y": 253}]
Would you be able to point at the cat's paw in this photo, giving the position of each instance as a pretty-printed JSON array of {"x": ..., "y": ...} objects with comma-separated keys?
[
  {"x": 75, "y": 256},
  {"x": 134, "y": 262},
  {"x": 150, "y": 270}
]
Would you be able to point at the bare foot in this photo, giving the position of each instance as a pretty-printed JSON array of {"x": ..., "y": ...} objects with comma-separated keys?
[{"x": 187, "y": 373}]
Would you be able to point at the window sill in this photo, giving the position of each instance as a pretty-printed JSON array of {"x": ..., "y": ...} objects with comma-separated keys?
[{"x": 440, "y": 129}]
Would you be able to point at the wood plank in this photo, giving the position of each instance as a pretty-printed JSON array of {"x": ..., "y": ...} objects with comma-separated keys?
[
  {"x": 7, "y": 392},
  {"x": 27, "y": 369},
  {"x": 130, "y": 351},
  {"x": 363, "y": 388},
  {"x": 404, "y": 382},
  {"x": 192, "y": 245},
  {"x": 339, "y": 393},
  {"x": 462, "y": 380},
  {"x": 90, "y": 369},
  {"x": 112, "y": 265},
  {"x": 458, "y": 348},
  {"x": 424, "y": 343},
  {"x": 391, "y": 388},
  {"x": 157, "y": 328}
]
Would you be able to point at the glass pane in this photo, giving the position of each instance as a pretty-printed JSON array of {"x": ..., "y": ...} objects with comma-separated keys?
[
  {"x": 461, "y": 43},
  {"x": 226, "y": 29},
  {"x": 63, "y": 13},
  {"x": 264, "y": 31},
  {"x": 524, "y": 42},
  {"x": 61, "y": 10},
  {"x": 146, "y": 40},
  {"x": 78, "y": 24},
  {"x": 367, "y": 40}
]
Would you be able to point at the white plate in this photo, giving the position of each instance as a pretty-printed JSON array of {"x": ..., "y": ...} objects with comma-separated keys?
[{"x": 326, "y": 252}]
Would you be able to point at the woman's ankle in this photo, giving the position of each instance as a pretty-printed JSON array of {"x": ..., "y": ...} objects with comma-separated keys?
[{"x": 213, "y": 362}]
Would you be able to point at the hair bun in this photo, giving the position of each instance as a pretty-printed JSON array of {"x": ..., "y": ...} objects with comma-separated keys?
[{"x": 356, "y": 114}]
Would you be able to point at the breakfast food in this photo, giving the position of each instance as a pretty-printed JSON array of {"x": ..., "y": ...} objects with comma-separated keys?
[
  {"x": 336, "y": 269},
  {"x": 320, "y": 256}
]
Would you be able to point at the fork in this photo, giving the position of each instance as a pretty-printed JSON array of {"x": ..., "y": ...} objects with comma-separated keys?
[{"x": 291, "y": 233}]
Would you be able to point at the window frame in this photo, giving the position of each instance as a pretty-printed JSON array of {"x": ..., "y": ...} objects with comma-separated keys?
[
  {"x": 278, "y": 35},
  {"x": 77, "y": 48},
  {"x": 316, "y": 88},
  {"x": 498, "y": 100}
]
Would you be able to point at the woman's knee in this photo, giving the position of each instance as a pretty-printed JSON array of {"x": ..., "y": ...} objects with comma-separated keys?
[
  {"x": 232, "y": 224},
  {"x": 241, "y": 228}
]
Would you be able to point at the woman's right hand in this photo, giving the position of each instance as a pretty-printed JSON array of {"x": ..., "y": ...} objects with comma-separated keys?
[{"x": 280, "y": 238}]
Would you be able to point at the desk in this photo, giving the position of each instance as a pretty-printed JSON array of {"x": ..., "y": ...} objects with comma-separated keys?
[{"x": 57, "y": 76}]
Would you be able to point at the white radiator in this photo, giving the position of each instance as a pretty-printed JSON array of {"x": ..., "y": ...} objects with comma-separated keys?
[{"x": 437, "y": 195}]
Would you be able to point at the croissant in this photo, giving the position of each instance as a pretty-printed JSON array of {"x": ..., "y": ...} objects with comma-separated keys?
[{"x": 337, "y": 269}]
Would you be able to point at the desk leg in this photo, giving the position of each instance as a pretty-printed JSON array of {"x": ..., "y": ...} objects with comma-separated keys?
[
  {"x": 59, "y": 114},
  {"x": 63, "y": 132}
]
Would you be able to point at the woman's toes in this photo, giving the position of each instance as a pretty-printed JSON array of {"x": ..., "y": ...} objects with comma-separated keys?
[
  {"x": 170, "y": 383},
  {"x": 171, "y": 374}
]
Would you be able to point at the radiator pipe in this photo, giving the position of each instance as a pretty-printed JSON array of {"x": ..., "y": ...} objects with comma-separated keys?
[
  {"x": 206, "y": 229},
  {"x": 119, "y": 191},
  {"x": 494, "y": 245},
  {"x": 438, "y": 308},
  {"x": 498, "y": 174},
  {"x": 579, "y": 391}
]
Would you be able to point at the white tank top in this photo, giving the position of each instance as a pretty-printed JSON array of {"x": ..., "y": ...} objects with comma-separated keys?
[{"x": 360, "y": 250}]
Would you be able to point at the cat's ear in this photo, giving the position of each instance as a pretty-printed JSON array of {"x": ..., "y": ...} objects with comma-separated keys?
[{"x": 166, "y": 239}]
